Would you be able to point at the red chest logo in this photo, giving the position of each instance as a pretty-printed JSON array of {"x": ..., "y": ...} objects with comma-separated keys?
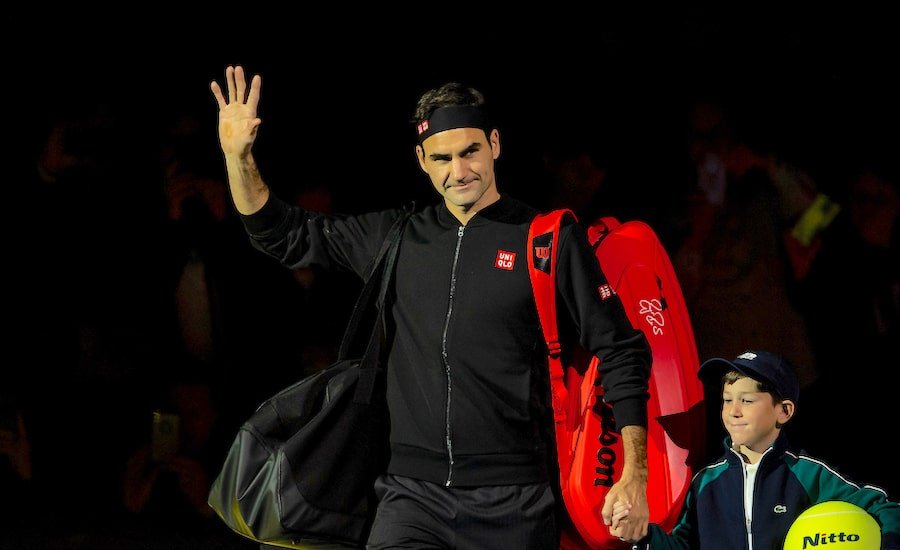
[{"x": 505, "y": 260}]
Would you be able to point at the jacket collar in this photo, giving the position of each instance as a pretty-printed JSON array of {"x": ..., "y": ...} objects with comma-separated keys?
[
  {"x": 778, "y": 448},
  {"x": 504, "y": 209}
]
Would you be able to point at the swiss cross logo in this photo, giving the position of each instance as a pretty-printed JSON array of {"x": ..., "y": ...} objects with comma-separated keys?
[
  {"x": 422, "y": 127},
  {"x": 605, "y": 291},
  {"x": 505, "y": 260}
]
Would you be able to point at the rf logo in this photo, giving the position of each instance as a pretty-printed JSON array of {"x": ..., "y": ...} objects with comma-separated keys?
[{"x": 652, "y": 311}]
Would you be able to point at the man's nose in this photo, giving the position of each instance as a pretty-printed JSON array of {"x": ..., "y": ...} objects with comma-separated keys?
[{"x": 459, "y": 169}]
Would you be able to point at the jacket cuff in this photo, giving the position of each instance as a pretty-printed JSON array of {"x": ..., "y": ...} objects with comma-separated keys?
[
  {"x": 267, "y": 217},
  {"x": 890, "y": 541},
  {"x": 631, "y": 411}
]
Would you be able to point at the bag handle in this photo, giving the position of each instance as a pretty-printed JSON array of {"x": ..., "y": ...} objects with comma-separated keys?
[{"x": 379, "y": 274}]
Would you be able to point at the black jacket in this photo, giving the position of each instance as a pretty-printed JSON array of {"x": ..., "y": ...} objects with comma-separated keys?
[{"x": 466, "y": 369}]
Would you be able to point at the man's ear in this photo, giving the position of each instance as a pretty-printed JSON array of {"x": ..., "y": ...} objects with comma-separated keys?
[
  {"x": 420, "y": 156},
  {"x": 495, "y": 143}
]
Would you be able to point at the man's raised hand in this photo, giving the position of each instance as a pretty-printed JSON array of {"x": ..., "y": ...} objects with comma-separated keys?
[{"x": 237, "y": 112}]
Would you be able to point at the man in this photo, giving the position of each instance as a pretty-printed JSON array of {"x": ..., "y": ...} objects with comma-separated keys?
[{"x": 467, "y": 384}]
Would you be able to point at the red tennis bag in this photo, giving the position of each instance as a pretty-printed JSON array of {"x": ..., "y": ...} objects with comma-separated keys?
[{"x": 589, "y": 450}]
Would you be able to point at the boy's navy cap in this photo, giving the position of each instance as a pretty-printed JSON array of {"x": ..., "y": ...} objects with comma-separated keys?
[{"x": 759, "y": 365}]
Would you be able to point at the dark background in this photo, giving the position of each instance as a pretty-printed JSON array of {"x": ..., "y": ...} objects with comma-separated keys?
[
  {"x": 817, "y": 83},
  {"x": 339, "y": 86}
]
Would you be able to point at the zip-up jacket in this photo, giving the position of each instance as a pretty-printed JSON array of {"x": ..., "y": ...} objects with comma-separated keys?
[
  {"x": 786, "y": 484},
  {"x": 466, "y": 361}
]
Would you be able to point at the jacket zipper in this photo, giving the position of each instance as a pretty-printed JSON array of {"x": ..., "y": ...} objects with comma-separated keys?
[
  {"x": 448, "y": 433},
  {"x": 748, "y": 523}
]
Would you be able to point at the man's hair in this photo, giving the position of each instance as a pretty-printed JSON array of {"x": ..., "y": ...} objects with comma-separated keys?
[{"x": 448, "y": 95}]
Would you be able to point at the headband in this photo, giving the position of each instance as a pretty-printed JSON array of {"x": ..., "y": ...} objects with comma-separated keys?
[{"x": 454, "y": 116}]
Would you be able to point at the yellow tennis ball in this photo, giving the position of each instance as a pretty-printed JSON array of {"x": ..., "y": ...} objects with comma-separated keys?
[{"x": 834, "y": 525}]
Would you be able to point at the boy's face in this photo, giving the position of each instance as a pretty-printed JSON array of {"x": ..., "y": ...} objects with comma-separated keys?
[{"x": 750, "y": 416}]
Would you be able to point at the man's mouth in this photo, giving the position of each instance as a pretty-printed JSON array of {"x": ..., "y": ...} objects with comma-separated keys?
[{"x": 457, "y": 184}]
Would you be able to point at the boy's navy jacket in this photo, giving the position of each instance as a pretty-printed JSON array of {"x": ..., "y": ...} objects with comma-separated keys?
[{"x": 787, "y": 483}]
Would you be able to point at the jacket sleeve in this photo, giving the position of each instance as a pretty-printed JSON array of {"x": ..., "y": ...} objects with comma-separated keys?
[
  {"x": 301, "y": 238},
  {"x": 822, "y": 483},
  {"x": 684, "y": 535},
  {"x": 603, "y": 328}
]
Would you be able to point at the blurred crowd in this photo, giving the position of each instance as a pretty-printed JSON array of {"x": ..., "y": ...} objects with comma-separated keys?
[{"x": 137, "y": 293}]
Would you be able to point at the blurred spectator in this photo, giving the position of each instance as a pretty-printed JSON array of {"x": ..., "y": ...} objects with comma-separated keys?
[
  {"x": 20, "y": 503},
  {"x": 167, "y": 477},
  {"x": 850, "y": 297},
  {"x": 195, "y": 201},
  {"x": 84, "y": 307},
  {"x": 226, "y": 305},
  {"x": 576, "y": 177},
  {"x": 732, "y": 262}
]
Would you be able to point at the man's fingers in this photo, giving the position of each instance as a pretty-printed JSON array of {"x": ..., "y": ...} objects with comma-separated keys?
[
  {"x": 253, "y": 98},
  {"x": 229, "y": 81},
  {"x": 606, "y": 514},
  {"x": 217, "y": 93},
  {"x": 240, "y": 84}
]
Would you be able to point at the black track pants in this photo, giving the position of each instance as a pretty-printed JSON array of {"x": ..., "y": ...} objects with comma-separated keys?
[{"x": 418, "y": 514}]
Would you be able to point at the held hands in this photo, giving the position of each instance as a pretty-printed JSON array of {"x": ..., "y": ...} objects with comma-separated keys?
[
  {"x": 625, "y": 509},
  {"x": 237, "y": 112},
  {"x": 619, "y": 524}
]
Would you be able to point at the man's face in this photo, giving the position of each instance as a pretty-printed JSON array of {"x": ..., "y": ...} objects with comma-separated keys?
[{"x": 460, "y": 164}]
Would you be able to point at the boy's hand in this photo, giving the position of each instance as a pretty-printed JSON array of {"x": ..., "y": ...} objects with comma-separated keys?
[{"x": 619, "y": 525}]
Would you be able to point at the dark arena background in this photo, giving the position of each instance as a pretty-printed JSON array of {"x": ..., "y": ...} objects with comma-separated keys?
[{"x": 134, "y": 289}]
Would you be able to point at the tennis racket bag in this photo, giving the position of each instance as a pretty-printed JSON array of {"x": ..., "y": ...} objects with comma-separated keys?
[{"x": 589, "y": 449}]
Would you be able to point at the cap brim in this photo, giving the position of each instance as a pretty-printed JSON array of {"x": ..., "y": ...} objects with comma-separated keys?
[{"x": 712, "y": 369}]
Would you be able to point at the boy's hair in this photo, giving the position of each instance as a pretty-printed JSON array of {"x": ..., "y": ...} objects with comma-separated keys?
[{"x": 762, "y": 386}]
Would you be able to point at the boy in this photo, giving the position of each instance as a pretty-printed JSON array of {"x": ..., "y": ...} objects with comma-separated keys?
[{"x": 751, "y": 496}]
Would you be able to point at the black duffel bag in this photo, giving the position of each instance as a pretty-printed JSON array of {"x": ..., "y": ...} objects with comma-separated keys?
[{"x": 301, "y": 469}]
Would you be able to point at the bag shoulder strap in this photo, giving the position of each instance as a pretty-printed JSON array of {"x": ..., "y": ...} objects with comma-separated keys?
[
  {"x": 385, "y": 259},
  {"x": 543, "y": 242},
  {"x": 379, "y": 275}
]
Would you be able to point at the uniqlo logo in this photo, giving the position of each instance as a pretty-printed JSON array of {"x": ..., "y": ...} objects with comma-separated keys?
[
  {"x": 605, "y": 291},
  {"x": 423, "y": 126},
  {"x": 505, "y": 260}
]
